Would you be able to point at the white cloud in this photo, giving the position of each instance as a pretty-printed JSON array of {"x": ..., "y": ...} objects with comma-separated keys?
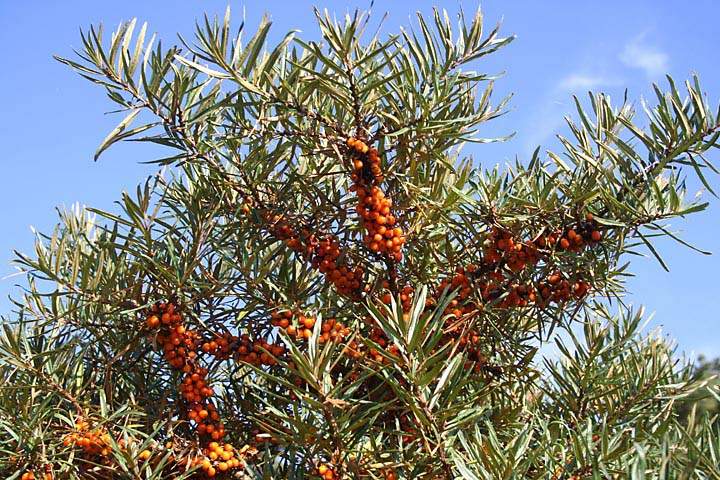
[
  {"x": 594, "y": 74},
  {"x": 550, "y": 115},
  {"x": 636, "y": 54},
  {"x": 577, "y": 81}
]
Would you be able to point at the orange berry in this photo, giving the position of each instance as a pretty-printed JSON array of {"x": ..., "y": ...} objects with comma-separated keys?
[{"x": 153, "y": 321}]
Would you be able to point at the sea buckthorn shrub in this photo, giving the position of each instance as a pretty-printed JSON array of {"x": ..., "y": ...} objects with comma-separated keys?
[{"x": 319, "y": 284}]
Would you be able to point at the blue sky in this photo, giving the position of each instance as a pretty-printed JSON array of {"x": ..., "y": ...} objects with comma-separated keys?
[{"x": 52, "y": 121}]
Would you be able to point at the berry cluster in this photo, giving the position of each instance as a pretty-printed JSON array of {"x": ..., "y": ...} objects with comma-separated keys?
[
  {"x": 366, "y": 162},
  {"x": 220, "y": 346},
  {"x": 502, "y": 250},
  {"x": 163, "y": 313},
  {"x": 574, "y": 238},
  {"x": 381, "y": 234},
  {"x": 207, "y": 420},
  {"x": 179, "y": 346},
  {"x": 333, "y": 331},
  {"x": 347, "y": 280},
  {"x": 324, "y": 255},
  {"x": 326, "y": 471},
  {"x": 460, "y": 281},
  {"x": 194, "y": 387},
  {"x": 30, "y": 475},
  {"x": 502, "y": 247},
  {"x": 558, "y": 289},
  {"x": 496, "y": 281},
  {"x": 94, "y": 442},
  {"x": 216, "y": 459},
  {"x": 201, "y": 410},
  {"x": 258, "y": 352},
  {"x": 302, "y": 328}
]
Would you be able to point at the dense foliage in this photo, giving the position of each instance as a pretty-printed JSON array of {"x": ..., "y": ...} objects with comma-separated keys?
[{"x": 318, "y": 284}]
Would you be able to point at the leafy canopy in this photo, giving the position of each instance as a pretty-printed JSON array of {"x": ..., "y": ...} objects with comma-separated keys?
[{"x": 318, "y": 283}]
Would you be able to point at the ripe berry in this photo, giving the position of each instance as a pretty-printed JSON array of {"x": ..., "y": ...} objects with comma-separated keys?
[{"x": 153, "y": 321}]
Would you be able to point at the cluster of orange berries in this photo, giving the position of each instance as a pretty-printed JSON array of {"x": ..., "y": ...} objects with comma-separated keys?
[
  {"x": 281, "y": 229},
  {"x": 194, "y": 387},
  {"x": 326, "y": 259},
  {"x": 558, "y": 289},
  {"x": 462, "y": 282},
  {"x": 163, "y": 313},
  {"x": 366, "y": 162},
  {"x": 216, "y": 459},
  {"x": 246, "y": 350},
  {"x": 333, "y": 331},
  {"x": 381, "y": 234},
  {"x": 330, "y": 330},
  {"x": 30, "y": 475},
  {"x": 501, "y": 245},
  {"x": 494, "y": 287},
  {"x": 324, "y": 255},
  {"x": 574, "y": 238},
  {"x": 208, "y": 422},
  {"x": 258, "y": 352},
  {"x": 326, "y": 471},
  {"x": 301, "y": 329},
  {"x": 220, "y": 346},
  {"x": 196, "y": 392},
  {"x": 179, "y": 346},
  {"x": 93, "y": 442}
]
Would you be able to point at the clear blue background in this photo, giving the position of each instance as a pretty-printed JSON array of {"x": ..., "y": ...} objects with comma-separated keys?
[{"x": 51, "y": 121}]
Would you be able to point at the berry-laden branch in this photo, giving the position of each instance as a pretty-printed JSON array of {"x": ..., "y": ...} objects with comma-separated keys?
[
  {"x": 510, "y": 275},
  {"x": 183, "y": 349},
  {"x": 374, "y": 207},
  {"x": 323, "y": 253}
]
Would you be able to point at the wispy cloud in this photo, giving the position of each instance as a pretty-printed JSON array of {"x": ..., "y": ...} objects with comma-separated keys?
[
  {"x": 577, "y": 81},
  {"x": 597, "y": 72},
  {"x": 638, "y": 54},
  {"x": 550, "y": 116}
]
